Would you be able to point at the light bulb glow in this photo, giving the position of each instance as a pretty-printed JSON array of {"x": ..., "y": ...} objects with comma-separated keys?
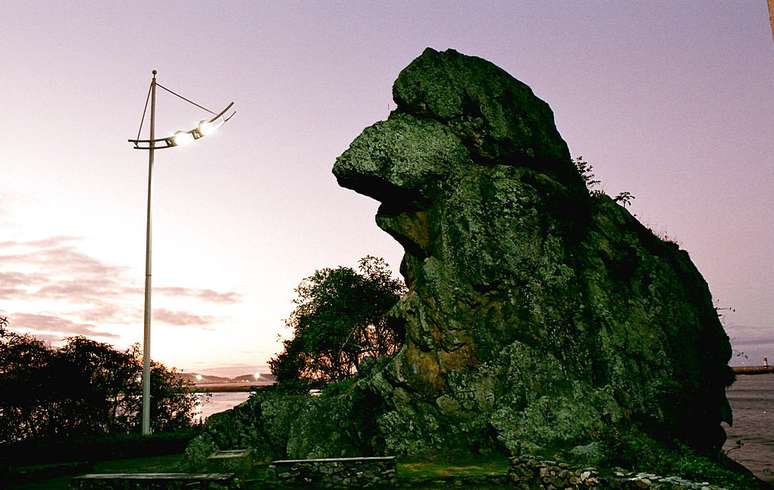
[
  {"x": 182, "y": 138},
  {"x": 206, "y": 128}
]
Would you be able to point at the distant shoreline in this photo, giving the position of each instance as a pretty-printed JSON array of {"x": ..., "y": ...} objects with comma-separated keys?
[
  {"x": 248, "y": 387},
  {"x": 753, "y": 369},
  {"x": 228, "y": 387}
]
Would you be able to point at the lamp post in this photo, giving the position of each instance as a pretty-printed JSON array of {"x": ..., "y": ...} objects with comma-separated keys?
[{"x": 205, "y": 128}]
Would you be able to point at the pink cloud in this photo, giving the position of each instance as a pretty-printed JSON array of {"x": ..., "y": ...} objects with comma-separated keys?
[
  {"x": 21, "y": 278},
  {"x": 49, "y": 339},
  {"x": 111, "y": 313},
  {"x": 12, "y": 292},
  {"x": 70, "y": 260},
  {"x": 52, "y": 269},
  {"x": 54, "y": 324},
  {"x": 53, "y": 241},
  {"x": 81, "y": 289},
  {"x": 173, "y": 317},
  {"x": 202, "y": 294},
  {"x": 61, "y": 259}
]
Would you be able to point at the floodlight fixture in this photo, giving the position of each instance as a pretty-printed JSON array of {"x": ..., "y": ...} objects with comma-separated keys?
[
  {"x": 206, "y": 127},
  {"x": 181, "y": 138}
]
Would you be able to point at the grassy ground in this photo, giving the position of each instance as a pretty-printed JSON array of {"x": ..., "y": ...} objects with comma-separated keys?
[
  {"x": 410, "y": 473},
  {"x": 154, "y": 464},
  {"x": 480, "y": 473},
  {"x": 463, "y": 467}
]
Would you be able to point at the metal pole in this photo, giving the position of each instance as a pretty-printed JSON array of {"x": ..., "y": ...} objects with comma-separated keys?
[{"x": 146, "y": 348}]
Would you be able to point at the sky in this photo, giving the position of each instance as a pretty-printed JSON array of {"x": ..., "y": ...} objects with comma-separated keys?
[{"x": 671, "y": 101}]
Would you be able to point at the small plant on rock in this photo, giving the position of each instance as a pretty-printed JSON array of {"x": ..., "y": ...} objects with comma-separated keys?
[
  {"x": 586, "y": 171},
  {"x": 625, "y": 198}
]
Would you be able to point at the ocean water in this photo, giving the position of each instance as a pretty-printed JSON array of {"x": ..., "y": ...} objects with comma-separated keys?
[
  {"x": 217, "y": 402},
  {"x": 751, "y": 439}
]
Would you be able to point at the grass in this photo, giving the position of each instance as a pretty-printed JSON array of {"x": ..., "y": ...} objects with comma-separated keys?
[
  {"x": 470, "y": 472},
  {"x": 410, "y": 472},
  {"x": 158, "y": 464},
  {"x": 461, "y": 467},
  {"x": 155, "y": 464}
]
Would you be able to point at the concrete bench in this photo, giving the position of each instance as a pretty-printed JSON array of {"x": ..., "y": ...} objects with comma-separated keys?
[
  {"x": 230, "y": 461},
  {"x": 131, "y": 481},
  {"x": 366, "y": 472}
]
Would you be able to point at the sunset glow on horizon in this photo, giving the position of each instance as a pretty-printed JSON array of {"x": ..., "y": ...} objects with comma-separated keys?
[{"x": 673, "y": 102}]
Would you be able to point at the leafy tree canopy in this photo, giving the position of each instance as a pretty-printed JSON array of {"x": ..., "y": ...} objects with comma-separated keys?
[
  {"x": 341, "y": 318},
  {"x": 84, "y": 387}
]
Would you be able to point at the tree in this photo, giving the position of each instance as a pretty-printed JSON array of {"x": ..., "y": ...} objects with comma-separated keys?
[
  {"x": 24, "y": 362},
  {"x": 84, "y": 387},
  {"x": 341, "y": 318}
]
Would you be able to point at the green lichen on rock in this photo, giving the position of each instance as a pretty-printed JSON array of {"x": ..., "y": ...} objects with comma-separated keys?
[
  {"x": 499, "y": 118},
  {"x": 539, "y": 319},
  {"x": 508, "y": 252}
]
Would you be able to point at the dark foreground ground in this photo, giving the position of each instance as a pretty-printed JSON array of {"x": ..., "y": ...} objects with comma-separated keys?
[{"x": 413, "y": 474}]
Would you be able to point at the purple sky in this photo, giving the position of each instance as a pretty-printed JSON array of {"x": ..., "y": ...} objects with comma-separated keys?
[{"x": 671, "y": 101}]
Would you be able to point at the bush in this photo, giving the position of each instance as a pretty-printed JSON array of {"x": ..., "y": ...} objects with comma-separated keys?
[{"x": 96, "y": 447}]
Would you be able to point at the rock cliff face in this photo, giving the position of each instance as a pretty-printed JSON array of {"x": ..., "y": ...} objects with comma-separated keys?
[
  {"x": 536, "y": 314},
  {"x": 540, "y": 319}
]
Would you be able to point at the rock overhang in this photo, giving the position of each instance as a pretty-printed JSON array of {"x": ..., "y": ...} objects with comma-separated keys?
[{"x": 454, "y": 111}]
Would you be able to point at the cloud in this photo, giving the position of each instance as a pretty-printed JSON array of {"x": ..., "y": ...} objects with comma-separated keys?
[
  {"x": 78, "y": 278},
  {"x": 751, "y": 343},
  {"x": 53, "y": 323},
  {"x": 53, "y": 241},
  {"x": 750, "y": 334},
  {"x": 62, "y": 259},
  {"x": 12, "y": 292},
  {"x": 21, "y": 278},
  {"x": 754, "y": 341},
  {"x": 172, "y": 317},
  {"x": 67, "y": 259},
  {"x": 209, "y": 295},
  {"x": 77, "y": 292},
  {"x": 111, "y": 313},
  {"x": 49, "y": 339}
]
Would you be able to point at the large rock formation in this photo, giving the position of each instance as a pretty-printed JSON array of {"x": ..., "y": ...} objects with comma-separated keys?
[
  {"x": 539, "y": 318},
  {"x": 529, "y": 300}
]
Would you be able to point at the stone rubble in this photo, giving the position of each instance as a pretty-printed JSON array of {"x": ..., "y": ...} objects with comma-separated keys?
[
  {"x": 529, "y": 473},
  {"x": 334, "y": 472}
]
